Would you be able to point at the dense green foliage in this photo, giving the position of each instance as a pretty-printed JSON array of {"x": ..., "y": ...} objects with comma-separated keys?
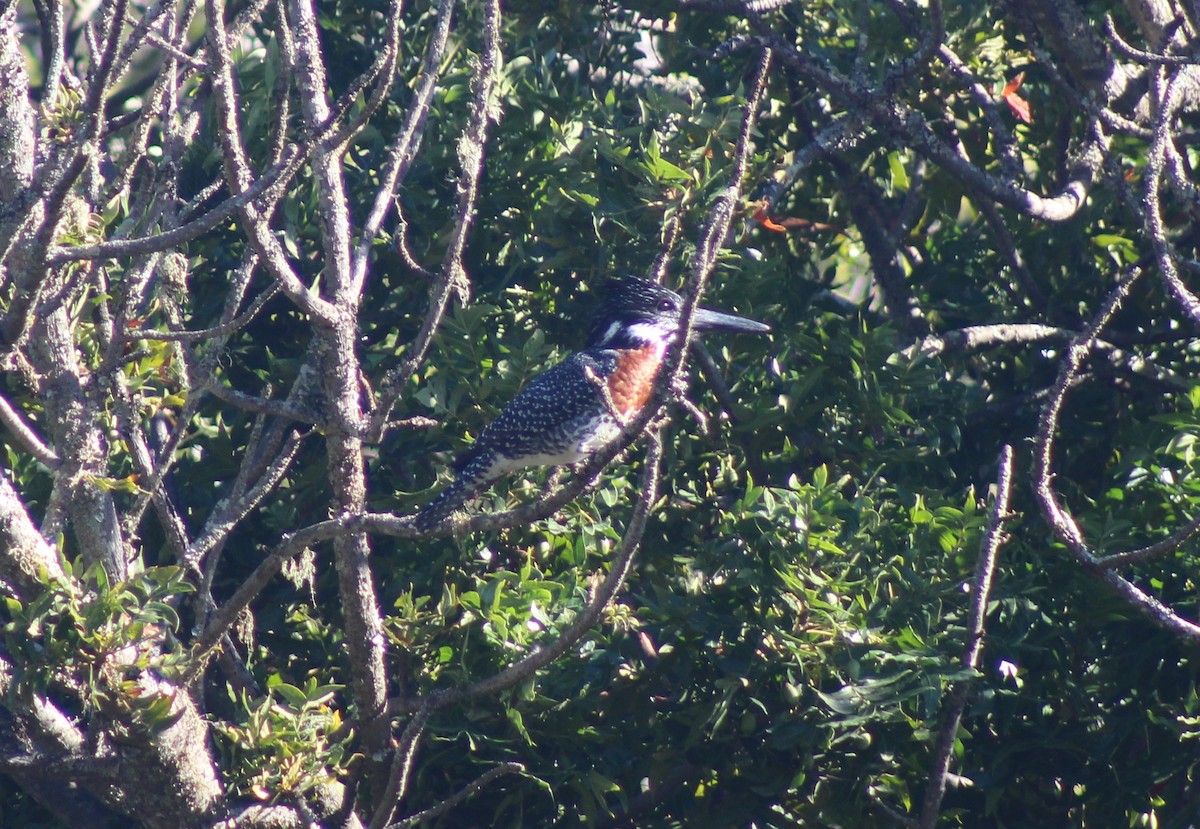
[{"x": 782, "y": 652}]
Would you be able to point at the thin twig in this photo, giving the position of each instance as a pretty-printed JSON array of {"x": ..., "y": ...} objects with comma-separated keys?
[
  {"x": 404, "y": 148},
  {"x": 193, "y": 369},
  {"x": 1141, "y": 55},
  {"x": 622, "y": 562},
  {"x": 1062, "y": 523},
  {"x": 229, "y": 513},
  {"x": 459, "y": 796},
  {"x": 662, "y": 261},
  {"x": 223, "y": 330},
  {"x": 453, "y": 275}
]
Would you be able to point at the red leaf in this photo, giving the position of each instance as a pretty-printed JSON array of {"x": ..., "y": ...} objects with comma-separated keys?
[{"x": 1018, "y": 105}]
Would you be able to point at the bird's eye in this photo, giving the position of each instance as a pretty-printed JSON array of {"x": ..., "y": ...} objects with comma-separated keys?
[{"x": 665, "y": 305}]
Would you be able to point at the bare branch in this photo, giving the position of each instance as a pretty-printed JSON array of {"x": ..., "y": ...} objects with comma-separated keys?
[
  {"x": 405, "y": 250},
  {"x": 671, "y": 234},
  {"x": 842, "y": 134},
  {"x": 231, "y": 512},
  {"x": 1006, "y": 147},
  {"x": 404, "y": 148},
  {"x": 18, "y": 139},
  {"x": 227, "y": 615},
  {"x": 237, "y": 169},
  {"x": 402, "y": 765},
  {"x": 334, "y": 213},
  {"x": 981, "y": 588},
  {"x": 896, "y": 118},
  {"x": 1009, "y": 250},
  {"x": 335, "y": 358},
  {"x": 196, "y": 393},
  {"x": 1062, "y": 523},
  {"x": 1168, "y": 545},
  {"x": 250, "y": 403},
  {"x": 267, "y": 188},
  {"x": 1140, "y": 55},
  {"x": 978, "y": 337},
  {"x": 384, "y": 69},
  {"x": 223, "y": 330},
  {"x": 882, "y": 247}
]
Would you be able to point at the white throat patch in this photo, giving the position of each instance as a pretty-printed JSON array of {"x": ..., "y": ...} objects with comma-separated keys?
[{"x": 646, "y": 333}]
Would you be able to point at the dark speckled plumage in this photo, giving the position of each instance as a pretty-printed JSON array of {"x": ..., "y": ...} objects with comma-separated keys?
[{"x": 561, "y": 417}]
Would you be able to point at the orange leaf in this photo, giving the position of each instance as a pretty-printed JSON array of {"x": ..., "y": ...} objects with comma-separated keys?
[
  {"x": 763, "y": 219},
  {"x": 790, "y": 223},
  {"x": 1018, "y": 105},
  {"x": 1013, "y": 85}
]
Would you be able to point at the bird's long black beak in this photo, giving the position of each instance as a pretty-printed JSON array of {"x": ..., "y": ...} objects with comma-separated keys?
[{"x": 707, "y": 320}]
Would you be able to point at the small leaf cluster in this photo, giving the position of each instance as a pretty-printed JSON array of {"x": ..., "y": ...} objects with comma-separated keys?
[
  {"x": 94, "y": 639},
  {"x": 287, "y": 742}
]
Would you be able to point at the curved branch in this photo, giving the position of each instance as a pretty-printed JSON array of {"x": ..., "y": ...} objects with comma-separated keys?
[
  {"x": 1153, "y": 220},
  {"x": 1140, "y": 55},
  {"x": 978, "y": 337},
  {"x": 621, "y": 564},
  {"x": 402, "y": 764},
  {"x": 223, "y": 330},
  {"x": 1160, "y": 548},
  {"x": 1060, "y": 520}
]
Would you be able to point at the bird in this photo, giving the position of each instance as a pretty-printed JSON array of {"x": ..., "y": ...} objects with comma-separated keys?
[{"x": 580, "y": 405}]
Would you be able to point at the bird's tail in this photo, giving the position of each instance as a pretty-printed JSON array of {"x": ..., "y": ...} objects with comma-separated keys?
[
  {"x": 443, "y": 506},
  {"x": 475, "y": 470}
]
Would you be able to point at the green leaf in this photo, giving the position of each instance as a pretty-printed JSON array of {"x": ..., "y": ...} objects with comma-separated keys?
[{"x": 290, "y": 694}]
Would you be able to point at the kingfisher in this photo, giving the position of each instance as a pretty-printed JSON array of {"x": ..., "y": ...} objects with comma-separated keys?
[{"x": 580, "y": 405}]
